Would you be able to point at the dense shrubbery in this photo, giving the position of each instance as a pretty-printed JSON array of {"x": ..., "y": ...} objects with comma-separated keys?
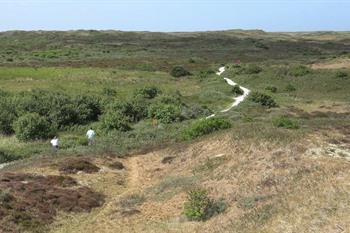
[
  {"x": 179, "y": 71},
  {"x": 284, "y": 122},
  {"x": 148, "y": 92},
  {"x": 237, "y": 91},
  {"x": 60, "y": 110},
  {"x": 273, "y": 89},
  {"x": 165, "y": 113},
  {"x": 32, "y": 126},
  {"x": 133, "y": 110},
  {"x": 114, "y": 121},
  {"x": 200, "y": 207},
  {"x": 206, "y": 126},
  {"x": 299, "y": 71},
  {"x": 7, "y": 117},
  {"x": 290, "y": 88},
  {"x": 263, "y": 99}
]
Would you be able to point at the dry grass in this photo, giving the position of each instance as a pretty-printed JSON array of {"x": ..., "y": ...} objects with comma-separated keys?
[{"x": 268, "y": 188}]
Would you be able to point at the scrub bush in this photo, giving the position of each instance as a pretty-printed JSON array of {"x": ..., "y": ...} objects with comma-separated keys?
[
  {"x": 114, "y": 121},
  {"x": 165, "y": 113},
  {"x": 32, "y": 126},
  {"x": 237, "y": 91},
  {"x": 179, "y": 71},
  {"x": 207, "y": 126},
  {"x": 263, "y": 100}
]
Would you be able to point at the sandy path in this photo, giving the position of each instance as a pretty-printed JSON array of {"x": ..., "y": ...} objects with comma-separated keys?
[{"x": 237, "y": 100}]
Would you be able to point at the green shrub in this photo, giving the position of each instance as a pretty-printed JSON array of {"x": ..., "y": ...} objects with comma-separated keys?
[
  {"x": 290, "y": 88},
  {"x": 32, "y": 126},
  {"x": 148, "y": 92},
  {"x": 6, "y": 157},
  {"x": 263, "y": 99},
  {"x": 114, "y": 121},
  {"x": 206, "y": 126},
  {"x": 165, "y": 113},
  {"x": 59, "y": 109},
  {"x": 299, "y": 70},
  {"x": 133, "y": 110},
  {"x": 284, "y": 122},
  {"x": 273, "y": 89},
  {"x": 179, "y": 71},
  {"x": 237, "y": 91},
  {"x": 341, "y": 74},
  {"x": 7, "y": 117},
  {"x": 200, "y": 207}
]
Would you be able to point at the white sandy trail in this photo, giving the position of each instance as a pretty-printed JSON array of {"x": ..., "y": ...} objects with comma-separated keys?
[{"x": 237, "y": 100}]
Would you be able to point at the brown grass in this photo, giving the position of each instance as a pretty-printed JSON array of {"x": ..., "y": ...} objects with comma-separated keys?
[{"x": 268, "y": 188}]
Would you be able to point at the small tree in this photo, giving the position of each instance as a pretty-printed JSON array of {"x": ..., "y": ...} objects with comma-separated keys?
[
  {"x": 32, "y": 126},
  {"x": 179, "y": 71}
]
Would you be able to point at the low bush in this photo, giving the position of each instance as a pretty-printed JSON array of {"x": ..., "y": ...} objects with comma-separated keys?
[
  {"x": 165, "y": 113},
  {"x": 341, "y": 74},
  {"x": 148, "y": 92},
  {"x": 200, "y": 207},
  {"x": 299, "y": 71},
  {"x": 6, "y": 157},
  {"x": 206, "y": 126},
  {"x": 290, "y": 88},
  {"x": 284, "y": 122},
  {"x": 273, "y": 89},
  {"x": 204, "y": 74},
  {"x": 263, "y": 100},
  {"x": 32, "y": 126},
  {"x": 237, "y": 90},
  {"x": 114, "y": 121},
  {"x": 179, "y": 71}
]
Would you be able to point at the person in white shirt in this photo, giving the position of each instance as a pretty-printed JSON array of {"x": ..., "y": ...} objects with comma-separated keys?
[
  {"x": 90, "y": 134},
  {"x": 55, "y": 144}
]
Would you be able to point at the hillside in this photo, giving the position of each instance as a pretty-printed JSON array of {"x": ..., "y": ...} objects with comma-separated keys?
[{"x": 170, "y": 154}]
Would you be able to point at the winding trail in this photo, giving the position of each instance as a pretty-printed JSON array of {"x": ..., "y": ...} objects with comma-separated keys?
[{"x": 237, "y": 100}]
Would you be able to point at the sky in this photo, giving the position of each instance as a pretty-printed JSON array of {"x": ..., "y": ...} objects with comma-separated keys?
[{"x": 175, "y": 15}]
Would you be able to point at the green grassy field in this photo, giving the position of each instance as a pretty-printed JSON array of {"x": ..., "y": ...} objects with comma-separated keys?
[{"x": 98, "y": 63}]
